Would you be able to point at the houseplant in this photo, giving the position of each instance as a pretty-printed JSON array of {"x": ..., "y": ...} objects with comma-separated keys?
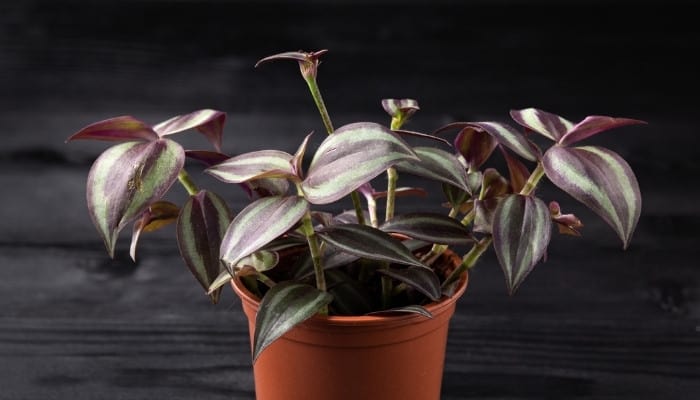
[{"x": 300, "y": 271}]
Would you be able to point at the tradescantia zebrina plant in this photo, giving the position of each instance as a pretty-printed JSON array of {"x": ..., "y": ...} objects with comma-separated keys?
[{"x": 360, "y": 261}]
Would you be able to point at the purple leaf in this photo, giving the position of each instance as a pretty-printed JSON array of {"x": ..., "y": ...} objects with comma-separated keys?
[
  {"x": 600, "y": 179},
  {"x": 547, "y": 124},
  {"x": 475, "y": 145},
  {"x": 207, "y": 158},
  {"x": 298, "y": 158},
  {"x": 365, "y": 241},
  {"x": 200, "y": 227},
  {"x": 517, "y": 170},
  {"x": 521, "y": 231},
  {"x": 126, "y": 179},
  {"x": 509, "y": 137},
  {"x": 431, "y": 227},
  {"x": 593, "y": 125},
  {"x": 258, "y": 224},
  {"x": 568, "y": 224},
  {"x": 400, "y": 108},
  {"x": 119, "y": 129},
  {"x": 422, "y": 279},
  {"x": 352, "y": 156},
  {"x": 157, "y": 216},
  {"x": 209, "y": 122},
  {"x": 422, "y": 136}
]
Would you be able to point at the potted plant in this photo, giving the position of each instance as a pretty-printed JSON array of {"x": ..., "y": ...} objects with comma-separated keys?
[{"x": 357, "y": 305}]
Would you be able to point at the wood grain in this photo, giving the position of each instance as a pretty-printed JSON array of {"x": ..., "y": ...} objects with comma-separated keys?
[{"x": 593, "y": 322}]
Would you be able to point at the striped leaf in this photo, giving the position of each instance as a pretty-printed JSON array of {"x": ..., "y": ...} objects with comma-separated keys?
[
  {"x": 258, "y": 224},
  {"x": 285, "y": 306},
  {"x": 422, "y": 279},
  {"x": 253, "y": 165},
  {"x": 118, "y": 129},
  {"x": 521, "y": 232},
  {"x": 209, "y": 122},
  {"x": 298, "y": 159},
  {"x": 594, "y": 124},
  {"x": 400, "y": 108},
  {"x": 200, "y": 228},
  {"x": 510, "y": 138},
  {"x": 157, "y": 216},
  {"x": 600, "y": 179},
  {"x": 431, "y": 227},
  {"x": 547, "y": 124},
  {"x": 414, "y": 309},
  {"x": 436, "y": 164},
  {"x": 368, "y": 242},
  {"x": 353, "y": 155},
  {"x": 126, "y": 179}
]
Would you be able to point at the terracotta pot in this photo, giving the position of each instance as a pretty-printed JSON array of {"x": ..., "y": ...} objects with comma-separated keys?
[{"x": 355, "y": 357}]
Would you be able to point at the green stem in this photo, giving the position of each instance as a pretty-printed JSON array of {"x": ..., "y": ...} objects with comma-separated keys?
[
  {"x": 469, "y": 260},
  {"x": 315, "y": 249},
  {"x": 393, "y": 178},
  {"x": 533, "y": 180},
  {"x": 318, "y": 99},
  {"x": 187, "y": 182}
]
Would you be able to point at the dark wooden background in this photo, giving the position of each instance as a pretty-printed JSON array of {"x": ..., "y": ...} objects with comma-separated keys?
[{"x": 593, "y": 322}]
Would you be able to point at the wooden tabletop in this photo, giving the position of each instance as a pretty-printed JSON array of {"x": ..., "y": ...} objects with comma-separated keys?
[{"x": 593, "y": 322}]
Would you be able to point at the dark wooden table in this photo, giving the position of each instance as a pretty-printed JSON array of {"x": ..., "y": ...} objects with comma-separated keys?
[{"x": 593, "y": 322}]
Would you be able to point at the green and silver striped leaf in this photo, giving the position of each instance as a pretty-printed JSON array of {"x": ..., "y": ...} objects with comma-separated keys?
[
  {"x": 521, "y": 231},
  {"x": 200, "y": 227},
  {"x": 284, "y": 306},
  {"x": 436, "y": 164},
  {"x": 126, "y": 179},
  {"x": 431, "y": 227},
  {"x": 353, "y": 155},
  {"x": 254, "y": 165},
  {"x": 600, "y": 179},
  {"x": 209, "y": 122},
  {"x": 258, "y": 224},
  {"x": 509, "y": 137},
  {"x": 546, "y": 124},
  {"x": 368, "y": 242}
]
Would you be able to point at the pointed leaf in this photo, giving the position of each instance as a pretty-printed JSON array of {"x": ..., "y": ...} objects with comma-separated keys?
[
  {"x": 517, "y": 170},
  {"x": 258, "y": 224},
  {"x": 293, "y": 55},
  {"x": 422, "y": 136},
  {"x": 568, "y": 224},
  {"x": 209, "y": 122},
  {"x": 118, "y": 129},
  {"x": 493, "y": 184},
  {"x": 372, "y": 243},
  {"x": 126, "y": 179},
  {"x": 483, "y": 214},
  {"x": 600, "y": 179},
  {"x": 400, "y": 107},
  {"x": 431, "y": 227},
  {"x": 594, "y": 124},
  {"x": 436, "y": 164},
  {"x": 285, "y": 306},
  {"x": 521, "y": 231},
  {"x": 475, "y": 145},
  {"x": 298, "y": 158},
  {"x": 350, "y": 157},
  {"x": 509, "y": 137},
  {"x": 200, "y": 228},
  {"x": 253, "y": 165},
  {"x": 158, "y": 215},
  {"x": 422, "y": 279},
  {"x": 547, "y": 124}
]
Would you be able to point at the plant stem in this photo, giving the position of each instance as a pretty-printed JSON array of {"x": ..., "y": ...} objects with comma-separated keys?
[
  {"x": 315, "y": 249},
  {"x": 187, "y": 182},
  {"x": 469, "y": 260},
  {"x": 392, "y": 177},
  {"x": 533, "y": 180},
  {"x": 318, "y": 99}
]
